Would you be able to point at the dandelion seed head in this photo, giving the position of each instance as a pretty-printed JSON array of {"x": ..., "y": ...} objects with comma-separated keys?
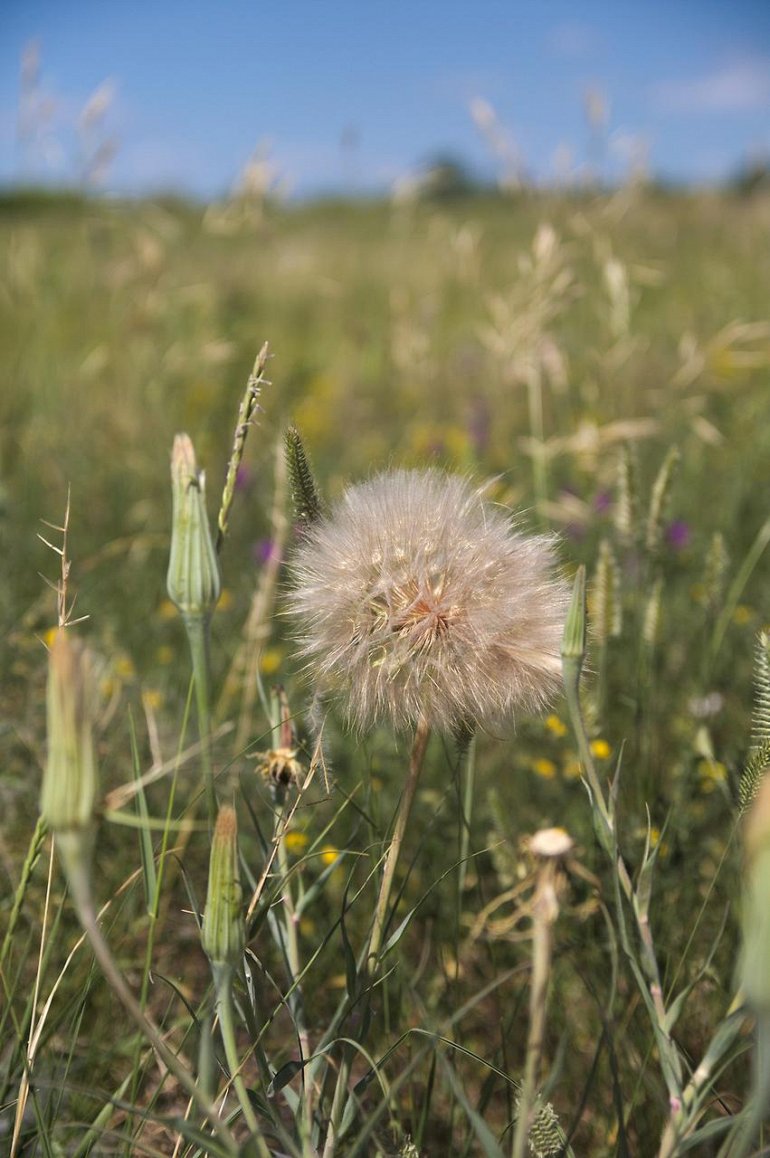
[{"x": 415, "y": 597}]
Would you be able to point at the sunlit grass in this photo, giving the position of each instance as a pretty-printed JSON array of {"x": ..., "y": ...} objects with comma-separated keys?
[{"x": 602, "y": 364}]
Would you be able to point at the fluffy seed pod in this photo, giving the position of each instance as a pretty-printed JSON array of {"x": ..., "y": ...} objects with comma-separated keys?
[{"x": 415, "y": 597}]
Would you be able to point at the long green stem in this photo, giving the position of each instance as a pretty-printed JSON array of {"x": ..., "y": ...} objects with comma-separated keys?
[
  {"x": 421, "y": 737},
  {"x": 572, "y": 668},
  {"x": 198, "y": 634},
  {"x": 379, "y": 926},
  {"x": 543, "y": 910},
  {"x": 296, "y": 1000},
  {"x": 78, "y": 877},
  {"x": 153, "y": 914},
  {"x": 223, "y": 979}
]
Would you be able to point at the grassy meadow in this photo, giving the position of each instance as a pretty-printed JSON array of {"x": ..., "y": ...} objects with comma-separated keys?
[{"x": 602, "y": 363}]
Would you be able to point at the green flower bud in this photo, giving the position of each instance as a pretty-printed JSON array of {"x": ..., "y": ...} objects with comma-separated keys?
[
  {"x": 70, "y": 782},
  {"x": 193, "y": 580},
  {"x": 574, "y": 642},
  {"x": 223, "y": 935}
]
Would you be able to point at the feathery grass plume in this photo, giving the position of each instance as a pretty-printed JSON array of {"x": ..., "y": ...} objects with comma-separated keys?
[
  {"x": 715, "y": 571},
  {"x": 70, "y": 783},
  {"x": 607, "y": 618},
  {"x": 651, "y": 617},
  {"x": 418, "y": 600},
  {"x": 759, "y": 756},
  {"x": 308, "y": 505},
  {"x": 626, "y": 512},
  {"x": 661, "y": 491},
  {"x": 246, "y": 411}
]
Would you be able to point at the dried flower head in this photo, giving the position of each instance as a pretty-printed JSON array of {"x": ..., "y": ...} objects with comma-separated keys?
[{"x": 416, "y": 597}]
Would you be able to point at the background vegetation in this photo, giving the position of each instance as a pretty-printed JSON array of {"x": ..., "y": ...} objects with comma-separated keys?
[{"x": 559, "y": 346}]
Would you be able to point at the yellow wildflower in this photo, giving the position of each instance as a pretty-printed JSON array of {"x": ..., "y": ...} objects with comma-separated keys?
[
  {"x": 225, "y": 599},
  {"x": 544, "y": 768},
  {"x": 556, "y": 726},
  {"x": 270, "y": 661},
  {"x": 296, "y": 841},
  {"x": 573, "y": 769}
]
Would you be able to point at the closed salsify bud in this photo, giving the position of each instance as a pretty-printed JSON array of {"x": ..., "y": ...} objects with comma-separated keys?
[
  {"x": 223, "y": 934},
  {"x": 193, "y": 581},
  {"x": 70, "y": 781}
]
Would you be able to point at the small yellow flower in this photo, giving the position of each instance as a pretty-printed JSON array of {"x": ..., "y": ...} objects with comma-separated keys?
[
  {"x": 656, "y": 842},
  {"x": 544, "y": 768},
  {"x": 153, "y": 699},
  {"x": 167, "y": 610},
  {"x": 573, "y": 769},
  {"x": 124, "y": 668},
  {"x": 329, "y": 854},
  {"x": 600, "y": 749},
  {"x": 711, "y": 773},
  {"x": 271, "y": 660},
  {"x": 50, "y": 635},
  {"x": 296, "y": 841},
  {"x": 165, "y": 654},
  {"x": 742, "y": 615},
  {"x": 555, "y": 726},
  {"x": 225, "y": 599}
]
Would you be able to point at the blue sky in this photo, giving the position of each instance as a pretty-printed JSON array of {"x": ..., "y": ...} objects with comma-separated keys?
[{"x": 341, "y": 93}]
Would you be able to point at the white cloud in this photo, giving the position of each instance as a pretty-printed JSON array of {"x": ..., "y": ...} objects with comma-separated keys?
[
  {"x": 572, "y": 40},
  {"x": 738, "y": 85}
]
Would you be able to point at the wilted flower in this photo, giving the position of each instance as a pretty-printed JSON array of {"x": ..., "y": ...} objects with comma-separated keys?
[{"x": 417, "y": 598}]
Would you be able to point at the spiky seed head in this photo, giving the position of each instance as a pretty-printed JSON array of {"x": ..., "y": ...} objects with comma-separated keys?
[
  {"x": 416, "y": 597},
  {"x": 193, "y": 579},
  {"x": 306, "y": 496},
  {"x": 223, "y": 933},
  {"x": 546, "y": 1139},
  {"x": 70, "y": 783}
]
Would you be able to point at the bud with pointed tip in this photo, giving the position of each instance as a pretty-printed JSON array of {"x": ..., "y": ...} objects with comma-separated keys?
[
  {"x": 223, "y": 934},
  {"x": 193, "y": 580},
  {"x": 70, "y": 782}
]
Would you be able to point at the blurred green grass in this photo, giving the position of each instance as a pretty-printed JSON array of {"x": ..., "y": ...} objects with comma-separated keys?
[{"x": 405, "y": 334}]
